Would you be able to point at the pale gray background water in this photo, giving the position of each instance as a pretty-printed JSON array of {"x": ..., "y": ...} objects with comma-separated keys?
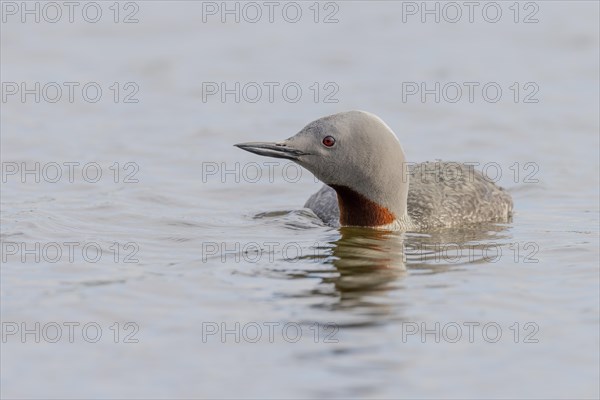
[{"x": 360, "y": 281}]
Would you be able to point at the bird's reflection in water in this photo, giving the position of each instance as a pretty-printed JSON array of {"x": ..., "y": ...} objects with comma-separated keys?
[
  {"x": 369, "y": 263},
  {"x": 449, "y": 249},
  {"x": 367, "y": 259}
]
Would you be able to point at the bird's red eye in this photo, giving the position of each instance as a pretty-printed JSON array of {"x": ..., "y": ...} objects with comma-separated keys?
[{"x": 328, "y": 141}]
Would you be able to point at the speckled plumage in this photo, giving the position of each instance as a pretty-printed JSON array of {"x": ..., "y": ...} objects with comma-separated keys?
[{"x": 440, "y": 194}]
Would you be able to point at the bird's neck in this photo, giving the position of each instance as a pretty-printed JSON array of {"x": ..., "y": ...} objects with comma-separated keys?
[{"x": 358, "y": 210}]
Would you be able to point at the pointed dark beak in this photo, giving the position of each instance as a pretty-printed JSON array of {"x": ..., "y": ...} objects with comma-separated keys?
[{"x": 277, "y": 150}]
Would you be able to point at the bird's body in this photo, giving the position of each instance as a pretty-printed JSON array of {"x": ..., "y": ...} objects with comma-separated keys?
[
  {"x": 368, "y": 182},
  {"x": 440, "y": 194}
]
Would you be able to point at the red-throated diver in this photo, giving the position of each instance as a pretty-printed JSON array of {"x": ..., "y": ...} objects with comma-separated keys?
[{"x": 368, "y": 182}]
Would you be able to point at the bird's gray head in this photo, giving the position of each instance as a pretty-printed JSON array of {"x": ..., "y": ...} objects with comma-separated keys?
[{"x": 358, "y": 155}]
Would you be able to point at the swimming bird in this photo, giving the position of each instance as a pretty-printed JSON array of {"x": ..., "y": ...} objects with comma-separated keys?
[{"x": 368, "y": 182}]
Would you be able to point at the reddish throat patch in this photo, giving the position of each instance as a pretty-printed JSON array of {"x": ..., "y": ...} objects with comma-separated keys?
[{"x": 357, "y": 210}]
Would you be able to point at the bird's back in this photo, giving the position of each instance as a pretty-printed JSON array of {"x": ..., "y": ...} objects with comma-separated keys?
[{"x": 440, "y": 194}]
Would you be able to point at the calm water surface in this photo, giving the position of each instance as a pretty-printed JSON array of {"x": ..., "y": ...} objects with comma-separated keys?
[{"x": 233, "y": 290}]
